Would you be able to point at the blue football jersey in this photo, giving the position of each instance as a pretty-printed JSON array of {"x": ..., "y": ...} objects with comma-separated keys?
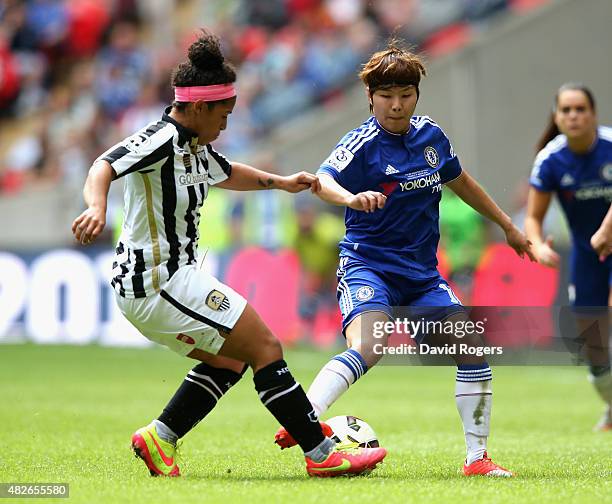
[
  {"x": 410, "y": 170},
  {"x": 583, "y": 183}
]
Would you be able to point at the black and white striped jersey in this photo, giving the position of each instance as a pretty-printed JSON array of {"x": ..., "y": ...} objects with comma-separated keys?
[{"x": 167, "y": 181}]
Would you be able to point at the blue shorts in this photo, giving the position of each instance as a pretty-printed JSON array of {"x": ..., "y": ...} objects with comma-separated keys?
[
  {"x": 590, "y": 279},
  {"x": 362, "y": 288}
]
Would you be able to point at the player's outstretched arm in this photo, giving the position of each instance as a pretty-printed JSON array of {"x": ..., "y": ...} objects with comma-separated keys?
[
  {"x": 247, "y": 178},
  {"x": 334, "y": 193},
  {"x": 537, "y": 206},
  {"x": 601, "y": 241},
  {"x": 474, "y": 195},
  {"x": 88, "y": 226}
]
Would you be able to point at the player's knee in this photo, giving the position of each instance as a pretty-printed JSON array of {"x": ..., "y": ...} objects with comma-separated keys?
[
  {"x": 269, "y": 349},
  {"x": 372, "y": 358},
  {"x": 274, "y": 345},
  {"x": 370, "y": 348},
  {"x": 370, "y": 352},
  {"x": 365, "y": 336}
]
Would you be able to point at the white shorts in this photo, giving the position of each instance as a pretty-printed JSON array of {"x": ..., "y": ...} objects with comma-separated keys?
[{"x": 188, "y": 313}]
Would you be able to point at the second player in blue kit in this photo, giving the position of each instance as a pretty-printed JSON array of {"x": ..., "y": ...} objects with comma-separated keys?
[
  {"x": 575, "y": 162},
  {"x": 389, "y": 174}
]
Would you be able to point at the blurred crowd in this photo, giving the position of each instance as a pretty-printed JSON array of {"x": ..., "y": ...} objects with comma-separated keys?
[{"x": 78, "y": 75}]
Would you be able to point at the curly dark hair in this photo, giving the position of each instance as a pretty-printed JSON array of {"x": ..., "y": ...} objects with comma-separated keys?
[{"x": 206, "y": 66}]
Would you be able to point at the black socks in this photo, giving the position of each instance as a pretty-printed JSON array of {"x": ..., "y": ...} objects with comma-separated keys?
[
  {"x": 197, "y": 396},
  {"x": 286, "y": 400}
]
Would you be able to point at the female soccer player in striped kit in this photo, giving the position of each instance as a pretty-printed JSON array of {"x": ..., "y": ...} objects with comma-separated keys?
[
  {"x": 168, "y": 167},
  {"x": 389, "y": 173},
  {"x": 575, "y": 161}
]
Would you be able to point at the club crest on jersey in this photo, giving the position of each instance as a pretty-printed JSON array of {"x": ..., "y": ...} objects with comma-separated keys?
[
  {"x": 339, "y": 159},
  {"x": 606, "y": 172},
  {"x": 431, "y": 156},
  {"x": 217, "y": 301},
  {"x": 193, "y": 145},
  {"x": 364, "y": 293}
]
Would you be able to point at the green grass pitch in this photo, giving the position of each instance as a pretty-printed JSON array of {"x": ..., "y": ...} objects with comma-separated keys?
[{"x": 67, "y": 414}]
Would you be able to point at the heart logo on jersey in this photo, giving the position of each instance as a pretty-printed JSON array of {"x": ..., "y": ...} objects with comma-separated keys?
[{"x": 388, "y": 187}]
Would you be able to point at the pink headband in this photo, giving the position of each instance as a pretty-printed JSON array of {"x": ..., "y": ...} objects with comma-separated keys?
[{"x": 206, "y": 93}]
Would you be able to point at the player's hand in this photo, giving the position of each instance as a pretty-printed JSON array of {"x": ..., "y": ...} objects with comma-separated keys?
[
  {"x": 367, "y": 201},
  {"x": 88, "y": 226},
  {"x": 546, "y": 255},
  {"x": 602, "y": 243},
  {"x": 519, "y": 242},
  {"x": 300, "y": 182}
]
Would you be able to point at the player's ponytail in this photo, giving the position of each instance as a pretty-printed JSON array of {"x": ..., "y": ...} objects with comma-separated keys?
[
  {"x": 205, "y": 53},
  {"x": 206, "y": 66},
  {"x": 552, "y": 130}
]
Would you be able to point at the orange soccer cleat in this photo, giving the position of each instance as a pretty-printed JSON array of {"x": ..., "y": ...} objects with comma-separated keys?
[
  {"x": 346, "y": 462},
  {"x": 285, "y": 440},
  {"x": 486, "y": 467}
]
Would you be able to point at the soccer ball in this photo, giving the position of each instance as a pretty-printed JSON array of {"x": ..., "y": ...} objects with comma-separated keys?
[{"x": 350, "y": 429}]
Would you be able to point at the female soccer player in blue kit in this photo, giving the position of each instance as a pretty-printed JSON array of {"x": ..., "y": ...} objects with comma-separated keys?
[
  {"x": 389, "y": 174},
  {"x": 575, "y": 161}
]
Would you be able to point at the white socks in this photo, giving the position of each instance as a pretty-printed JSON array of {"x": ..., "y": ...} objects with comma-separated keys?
[
  {"x": 335, "y": 378},
  {"x": 473, "y": 395},
  {"x": 165, "y": 432},
  {"x": 320, "y": 452}
]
